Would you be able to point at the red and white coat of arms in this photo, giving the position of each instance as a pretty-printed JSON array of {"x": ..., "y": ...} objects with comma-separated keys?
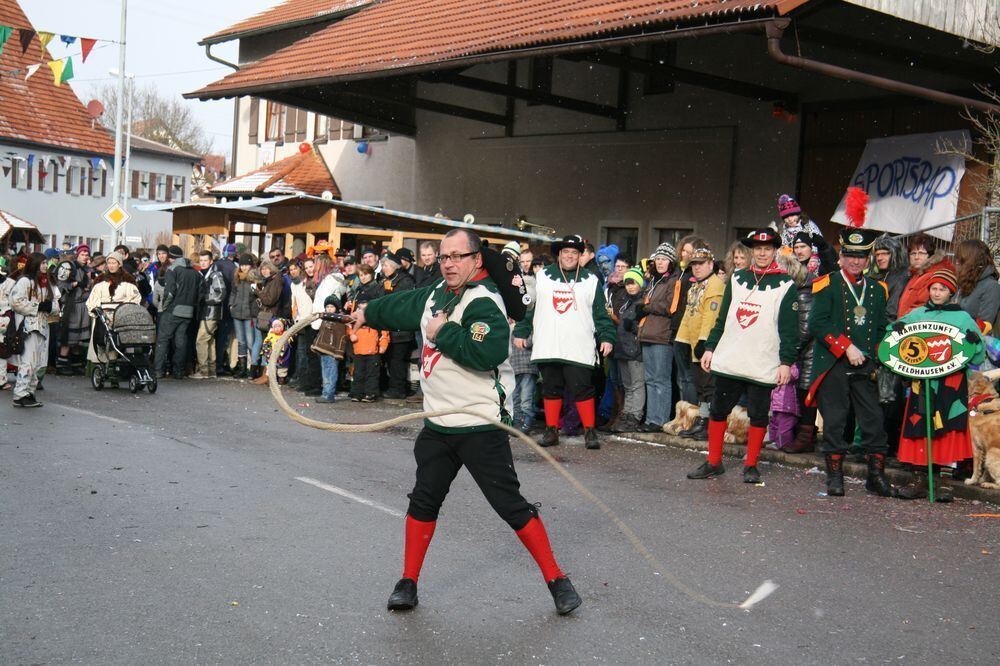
[
  {"x": 747, "y": 314},
  {"x": 939, "y": 348},
  {"x": 429, "y": 356}
]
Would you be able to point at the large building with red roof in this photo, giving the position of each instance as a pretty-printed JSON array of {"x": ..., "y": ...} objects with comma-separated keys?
[{"x": 628, "y": 121}]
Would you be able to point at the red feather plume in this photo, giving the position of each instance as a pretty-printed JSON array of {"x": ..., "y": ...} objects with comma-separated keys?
[{"x": 857, "y": 206}]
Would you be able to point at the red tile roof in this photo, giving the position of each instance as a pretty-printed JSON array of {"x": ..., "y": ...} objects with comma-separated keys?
[
  {"x": 394, "y": 35},
  {"x": 37, "y": 111},
  {"x": 287, "y": 14},
  {"x": 302, "y": 172}
]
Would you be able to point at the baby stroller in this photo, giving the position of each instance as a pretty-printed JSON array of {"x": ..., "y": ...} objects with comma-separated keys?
[{"x": 124, "y": 335}]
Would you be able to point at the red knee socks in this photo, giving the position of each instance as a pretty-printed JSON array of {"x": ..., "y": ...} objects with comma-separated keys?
[
  {"x": 553, "y": 407},
  {"x": 418, "y": 538},
  {"x": 755, "y": 439},
  {"x": 586, "y": 410},
  {"x": 716, "y": 431},
  {"x": 535, "y": 539}
]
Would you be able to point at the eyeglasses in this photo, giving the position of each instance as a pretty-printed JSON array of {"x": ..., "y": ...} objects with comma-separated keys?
[
  {"x": 919, "y": 253},
  {"x": 456, "y": 257}
]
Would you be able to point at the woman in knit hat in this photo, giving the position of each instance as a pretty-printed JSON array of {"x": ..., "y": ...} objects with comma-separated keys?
[
  {"x": 111, "y": 288},
  {"x": 656, "y": 334},
  {"x": 949, "y": 394},
  {"x": 627, "y": 354},
  {"x": 244, "y": 308}
]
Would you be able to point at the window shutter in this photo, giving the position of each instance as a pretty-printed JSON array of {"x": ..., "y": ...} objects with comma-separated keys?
[
  {"x": 254, "y": 119},
  {"x": 31, "y": 169},
  {"x": 301, "y": 119},
  {"x": 168, "y": 195},
  {"x": 333, "y": 132},
  {"x": 347, "y": 131},
  {"x": 135, "y": 184},
  {"x": 290, "y": 124},
  {"x": 151, "y": 194}
]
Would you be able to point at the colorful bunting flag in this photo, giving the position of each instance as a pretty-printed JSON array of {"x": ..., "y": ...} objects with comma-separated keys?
[
  {"x": 31, "y": 159},
  {"x": 45, "y": 38},
  {"x": 25, "y": 35},
  {"x": 87, "y": 44},
  {"x": 94, "y": 163},
  {"x": 57, "y": 67},
  {"x": 31, "y": 70},
  {"x": 6, "y": 171},
  {"x": 68, "y": 40},
  {"x": 5, "y": 33},
  {"x": 67, "y": 72}
]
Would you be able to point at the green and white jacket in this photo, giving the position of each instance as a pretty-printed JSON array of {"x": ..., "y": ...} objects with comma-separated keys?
[
  {"x": 466, "y": 367},
  {"x": 569, "y": 318}
]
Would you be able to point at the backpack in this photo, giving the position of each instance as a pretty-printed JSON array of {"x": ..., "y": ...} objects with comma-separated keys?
[{"x": 12, "y": 338}]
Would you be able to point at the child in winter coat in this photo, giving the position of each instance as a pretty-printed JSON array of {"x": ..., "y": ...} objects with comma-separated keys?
[
  {"x": 369, "y": 344},
  {"x": 951, "y": 442},
  {"x": 784, "y": 413},
  {"x": 628, "y": 352},
  {"x": 278, "y": 326},
  {"x": 330, "y": 347}
]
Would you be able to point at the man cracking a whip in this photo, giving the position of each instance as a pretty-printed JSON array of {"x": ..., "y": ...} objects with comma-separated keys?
[
  {"x": 751, "y": 349},
  {"x": 464, "y": 366}
]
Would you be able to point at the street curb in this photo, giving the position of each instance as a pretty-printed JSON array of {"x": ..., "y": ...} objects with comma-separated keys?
[{"x": 807, "y": 461}]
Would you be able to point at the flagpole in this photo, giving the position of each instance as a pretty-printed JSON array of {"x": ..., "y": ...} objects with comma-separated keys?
[{"x": 116, "y": 189}]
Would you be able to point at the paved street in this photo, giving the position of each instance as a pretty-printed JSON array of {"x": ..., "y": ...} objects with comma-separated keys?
[{"x": 201, "y": 526}]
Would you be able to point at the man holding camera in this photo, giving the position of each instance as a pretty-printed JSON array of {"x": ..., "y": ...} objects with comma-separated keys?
[{"x": 848, "y": 320}]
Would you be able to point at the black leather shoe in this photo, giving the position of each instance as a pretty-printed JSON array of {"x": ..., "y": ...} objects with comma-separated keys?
[
  {"x": 706, "y": 470},
  {"x": 551, "y": 436},
  {"x": 564, "y": 595},
  {"x": 649, "y": 427},
  {"x": 404, "y": 595},
  {"x": 698, "y": 430},
  {"x": 751, "y": 475},
  {"x": 590, "y": 439}
]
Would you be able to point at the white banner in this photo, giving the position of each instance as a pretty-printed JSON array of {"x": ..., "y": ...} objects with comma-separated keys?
[{"x": 911, "y": 185}]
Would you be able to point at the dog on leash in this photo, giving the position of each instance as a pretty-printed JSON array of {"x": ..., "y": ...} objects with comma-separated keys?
[
  {"x": 984, "y": 429},
  {"x": 737, "y": 424}
]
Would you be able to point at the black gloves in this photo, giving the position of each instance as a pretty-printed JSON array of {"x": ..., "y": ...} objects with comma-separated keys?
[
  {"x": 973, "y": 337},
  {"x": 45, "y": 307},
  {"x": 898, "y": 326},
  {"x": 699, "y": 349}
]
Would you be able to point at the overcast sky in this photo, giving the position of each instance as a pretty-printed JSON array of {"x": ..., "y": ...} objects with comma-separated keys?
[{"x": 162, "y": 47}]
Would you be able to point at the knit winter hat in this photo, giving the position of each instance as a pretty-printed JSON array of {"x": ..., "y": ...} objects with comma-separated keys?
[
  {"x": 229, "y": 250},
  {"x": 788, "y": 206},
  {"x": 512, "y": 248},
  {"x": 332, "y": 300},
  {"x": 82, "y": 248},
  {"x": 802, "y": 237},
  {"x": 635, "y": 275},
  {"x": 175, "y": 252},
  {"x": 163, "y": 248},
  {"x": 391, "y": 259},
  {"x": 246, "y": 260},
  {"x": 944, "y": 277},
  {"x": 664, "y": 250},
  {"x": 117, "y": 256}
]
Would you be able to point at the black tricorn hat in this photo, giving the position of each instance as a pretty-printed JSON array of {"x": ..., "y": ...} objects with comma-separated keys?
[
  {"x": 571, "y": 242},
  {"x": 764, "y": 236}
]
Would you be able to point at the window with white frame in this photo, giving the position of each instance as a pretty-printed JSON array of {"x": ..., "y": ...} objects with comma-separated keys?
[
  {"x": 161, "y": 187},
  {"x": 143, "y": 185}
]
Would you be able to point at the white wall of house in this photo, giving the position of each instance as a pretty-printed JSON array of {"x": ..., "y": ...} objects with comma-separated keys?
[{"x": 77, "y": 215}]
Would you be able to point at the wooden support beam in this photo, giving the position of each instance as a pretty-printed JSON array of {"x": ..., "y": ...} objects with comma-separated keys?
[
  {"x": 333, "y": 109},
  {"x": 690, "y": 77},
  {"x": 623, "y": 95},
  {"x": 535, "y": 96},
  {"x": 510, "y": 110},
  {"x": 436, "y": 107}
]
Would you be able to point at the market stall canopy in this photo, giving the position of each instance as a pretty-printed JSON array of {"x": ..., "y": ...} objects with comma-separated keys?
[
  {"x": 13, "y": 228},
  {"x": 354, "y": 214}
]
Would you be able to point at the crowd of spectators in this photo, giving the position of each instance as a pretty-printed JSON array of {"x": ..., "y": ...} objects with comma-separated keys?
[{"x": 219, "y": 317}]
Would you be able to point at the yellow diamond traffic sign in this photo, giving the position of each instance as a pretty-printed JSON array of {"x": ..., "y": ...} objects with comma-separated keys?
[{"x": 116, "y": 216}]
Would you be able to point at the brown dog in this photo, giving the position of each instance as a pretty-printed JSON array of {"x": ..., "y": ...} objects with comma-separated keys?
[
  {"x": 984, "y": 428},
  {"x": 737, "y": 426},
  {"x": 686, "y": 413}
]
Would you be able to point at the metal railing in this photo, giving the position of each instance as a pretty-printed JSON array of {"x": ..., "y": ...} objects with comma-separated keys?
[{"x": 984, "y": 225}]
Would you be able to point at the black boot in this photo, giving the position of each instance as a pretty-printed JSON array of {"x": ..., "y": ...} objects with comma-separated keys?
[
  {"x": 63, "y": 368},
  {"x": 835, "y": 474},
  {"x": 876, "y": 482},
  {"x": 707, "y": 470},
  {"x": 751, "y": 474},
  {"x": 590, "y": 439},
  {"x": 551, "y": 436},
  {"x": 698, "y": 430},
  {"x": 254, "y": 372},
  {"x": 404, "y": 595},
  {"x": 241, "y": 368},
  {"x": 564, "y": 595}
]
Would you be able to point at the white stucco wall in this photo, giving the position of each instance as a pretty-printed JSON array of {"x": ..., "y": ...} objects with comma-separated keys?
[{"x": 62, "y": 214}]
